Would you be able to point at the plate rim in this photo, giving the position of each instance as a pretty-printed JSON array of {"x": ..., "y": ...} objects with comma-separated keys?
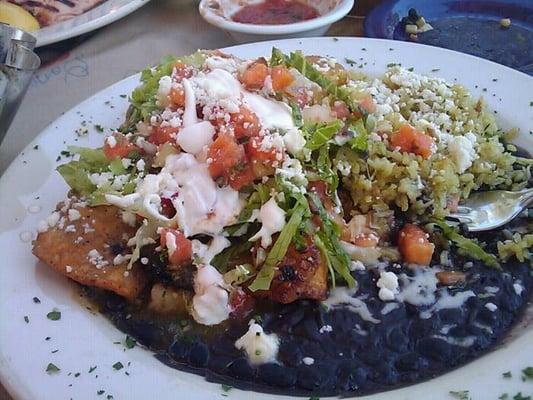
[
  {"x": 44, "y": 37},
  {"x": 4, "y": 373}
]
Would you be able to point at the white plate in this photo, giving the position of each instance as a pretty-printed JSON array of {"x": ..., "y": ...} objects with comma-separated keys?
[
  {"x": 85, "y": 339},
  {"x": 105, "y": 13}
]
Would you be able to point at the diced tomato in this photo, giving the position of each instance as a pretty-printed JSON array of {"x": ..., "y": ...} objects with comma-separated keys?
[
  {"x": 409, "y": 140},
  {"x": 449, "y": 278},
  {"x": 182, "y": 71},
  {"x": 340, "y": 110},
  {"x": 177, "y": 97},
  {"x": 414, "y": 245},
  {"x": 261, "y": 169},
  {"x": 241, "y": 303},
  {"x": 241, "y": 178},
  {"x": 167, "y": 208},
  {"x": 367, "y": 103},
  {"x": 366, "y": 240},
  {"x": 281, "y": 78},
  {"x": 224, "y": 154},
  {"x": 254, "y": 76},
  {"x": 118, "y": 146},
  {"x": 255, "y": 152},
  {"x": 163, "y": 134},
  {"x": 180, "y": 250},
  {"x": 245, "y": 123},
  {"x": 302, "y": 98}
]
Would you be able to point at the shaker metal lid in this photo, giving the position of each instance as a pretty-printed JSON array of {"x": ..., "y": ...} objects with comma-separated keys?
[{"x": 16, "y": 48}]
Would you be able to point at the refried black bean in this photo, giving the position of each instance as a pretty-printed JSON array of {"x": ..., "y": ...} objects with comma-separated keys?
[{"x": 355, "y": 356}]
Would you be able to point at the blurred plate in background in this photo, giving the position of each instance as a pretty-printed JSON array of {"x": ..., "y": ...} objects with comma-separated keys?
[{"x": 471, "y": 27}]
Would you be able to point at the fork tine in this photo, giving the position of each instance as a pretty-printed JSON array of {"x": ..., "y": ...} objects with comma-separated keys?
[
  {"x": 463, "y": 210},
  {"x": 461, "y": 219}
]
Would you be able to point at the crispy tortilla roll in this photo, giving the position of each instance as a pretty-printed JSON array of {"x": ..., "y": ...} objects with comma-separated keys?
[{"x": 89, "y": 245}]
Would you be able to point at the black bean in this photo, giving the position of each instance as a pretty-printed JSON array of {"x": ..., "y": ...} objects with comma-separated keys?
[
  {"x": 179, "y": 350},
  {"x": 199, "y": 354},
  {"x": 436, "y": 349},
  {"x": 241, "y": 368},
  {"x": 411, "y": 362},
  {"x": 313, "y": 377},
  {"x": 277, "y": 375}
]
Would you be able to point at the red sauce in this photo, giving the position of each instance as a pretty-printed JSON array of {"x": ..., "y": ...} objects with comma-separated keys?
[{"x": 275, "y": 12}]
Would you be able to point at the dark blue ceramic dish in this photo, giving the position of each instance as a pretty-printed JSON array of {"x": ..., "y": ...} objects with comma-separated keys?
[{"x": 468, "y": 26}]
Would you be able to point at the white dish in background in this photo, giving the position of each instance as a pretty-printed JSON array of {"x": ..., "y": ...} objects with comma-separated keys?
[
  {"x": 97, "y": 17},
  {"x": 219, "y": 12},
  {"x": 30, "y": 188}
]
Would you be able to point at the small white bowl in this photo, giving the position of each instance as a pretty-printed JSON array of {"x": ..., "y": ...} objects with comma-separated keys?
[{"x": 219, "y": 12}]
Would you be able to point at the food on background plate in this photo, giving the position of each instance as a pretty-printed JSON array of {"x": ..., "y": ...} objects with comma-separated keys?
[
  {"x": 18, "y": 17},
  {"x": 275, "y": 12},
  {"x": 277, "y": 224},
  {"x": 49, "y": 12}
]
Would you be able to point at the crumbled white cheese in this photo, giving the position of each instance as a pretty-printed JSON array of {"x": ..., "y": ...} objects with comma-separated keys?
[
  {"x": 518, "y": 288},
  {"x": 462, "y": 152},
  {"x": 73, "y": 214},
  {"x": 491, "y": 307},
  {"x": 140, "y": 165},
  {"x": 260, "y": 347},
  {"x": 210, "y": 302},
  {"x": 325, "y": 328},
  {"x": 96, "y": 259},
  {"x": 388, "y": 284},
  {"x": 292, "y": 175},
  {"x": 272, "y": 218},
  {"x": 68, "y": 269},
  {"x": 308, "y": 360},
  {"x": 294, "y": 141},
  {"x": 205, "y": 253},
  {"x": 356, "y": 266}
]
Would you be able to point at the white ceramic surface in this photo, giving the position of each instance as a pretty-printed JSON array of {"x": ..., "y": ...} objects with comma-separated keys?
[
  {"x": 84, "y": 339},
  {"x": 218, "y": 13},
  {"x": 104, "y": 14}
]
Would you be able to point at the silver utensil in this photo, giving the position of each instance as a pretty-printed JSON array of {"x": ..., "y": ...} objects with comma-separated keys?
[
  {"x": 18, "y": 62},
  {"x": 483, "y": 211}
]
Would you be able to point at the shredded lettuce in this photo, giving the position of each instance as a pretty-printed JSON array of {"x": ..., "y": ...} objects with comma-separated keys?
[
  {"x": 360, "y": 140},
  {"x": 222, "y": 260},
  {"x": 318, "y": 135},
  {"x": 329, "y": 243},
  {"x": 297, "y": 61},
  {"x": 143, "y": 99},
  {"x": 468, "y": 247},
  {"x": 325, "y": 170},
  {"x": 264, "y": 278},
  {"x": 296, "y": 115}
]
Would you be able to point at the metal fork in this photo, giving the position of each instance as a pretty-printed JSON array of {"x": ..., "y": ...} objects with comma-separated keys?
[{"x": 483, "y": 211}]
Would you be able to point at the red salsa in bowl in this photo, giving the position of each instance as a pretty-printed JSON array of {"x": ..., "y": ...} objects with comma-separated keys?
[{"x": 275, "y": 12}]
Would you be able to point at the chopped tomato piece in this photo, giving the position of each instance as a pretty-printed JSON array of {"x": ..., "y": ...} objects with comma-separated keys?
[
  {"x": 409, "y": 140},
  {"x": 167, "y": 208},
  {"x": 261, "y": 169},
  {"x": 254, "y": 76},
  {"x": 367, "y": 103},
  {"x": 241, "y": 303},
  {"x": 340, "y": 110},
  {"x": 414, "y": 245},
  {"x": 281, "y": 78},
  {"x": 449, "y": 278},
  {"x": 179, "y": 247},
  {"x": 241, "y": 178},
  {"x": 224, "y": 154},
  {"x": 366, "y": 240},
  {"x": 258, "y": 150},
  {"x": 181, "y": 71},
  {"x": 161, "y": 135},
  {"x": 245, "y": 123},
  {"x": 118, "y": 146},
  {"x": 177, "y": 97}
]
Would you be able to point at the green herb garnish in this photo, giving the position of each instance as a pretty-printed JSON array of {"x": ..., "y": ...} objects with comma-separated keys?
[
  {"x": 118, "y": 366},
  {"x": 52, "y": 369},
  {"x": 507, "y": 374},
  {"x": 129, "y": 342},
  {"x": 54, "y": 315},
  {"x": 460, "y": 395}
]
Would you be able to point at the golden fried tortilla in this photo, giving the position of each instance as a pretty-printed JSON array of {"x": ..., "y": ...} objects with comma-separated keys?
[{"x": 83, "y": 243}]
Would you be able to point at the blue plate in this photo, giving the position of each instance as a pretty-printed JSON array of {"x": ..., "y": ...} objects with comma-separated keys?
[{"x": 468, "y": 26}]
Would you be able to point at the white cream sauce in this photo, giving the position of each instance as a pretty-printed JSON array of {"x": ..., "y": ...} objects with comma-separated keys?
[{"x": 343, "y": 297}]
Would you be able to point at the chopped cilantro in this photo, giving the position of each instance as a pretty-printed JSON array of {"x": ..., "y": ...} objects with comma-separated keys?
[
  {"x": 129, "y": 342},
  {"x": 435, "y": 70},
  {"x": 350, "y": 61},
  {"x": 390, "y": 65},
  {"x": 460, "y": 394},
  {"x": 335, "y": 39},
  {"x": 47, "y": 338},
  {"x": 109, "y": 397},
  {"x": 91, "y": 369},
  {"x": 504, "y": 396},
  {"x": 123, "y": 96},
  {"x": 54, "y": 315},
  {"x": 100, "y": 392},
  {"x": 54, "y": 351},
  {"x": 258, "y": 352},
  {"x": 26, "y": 319},
  {"x": 99, "y": 128},
  {"x": 52, "y": 368},
  {"x": 527, "y": 373},
  {"x": 118, "y": 366},
  {"x": 519, "y": 396},
  {"x": 77, "y": 374},
  {"x": 36, "y": 147},
  {"x": 36, "y": 300},
  {"x": 507, "y": 374},
  {"x": 411, "y": 69}
]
